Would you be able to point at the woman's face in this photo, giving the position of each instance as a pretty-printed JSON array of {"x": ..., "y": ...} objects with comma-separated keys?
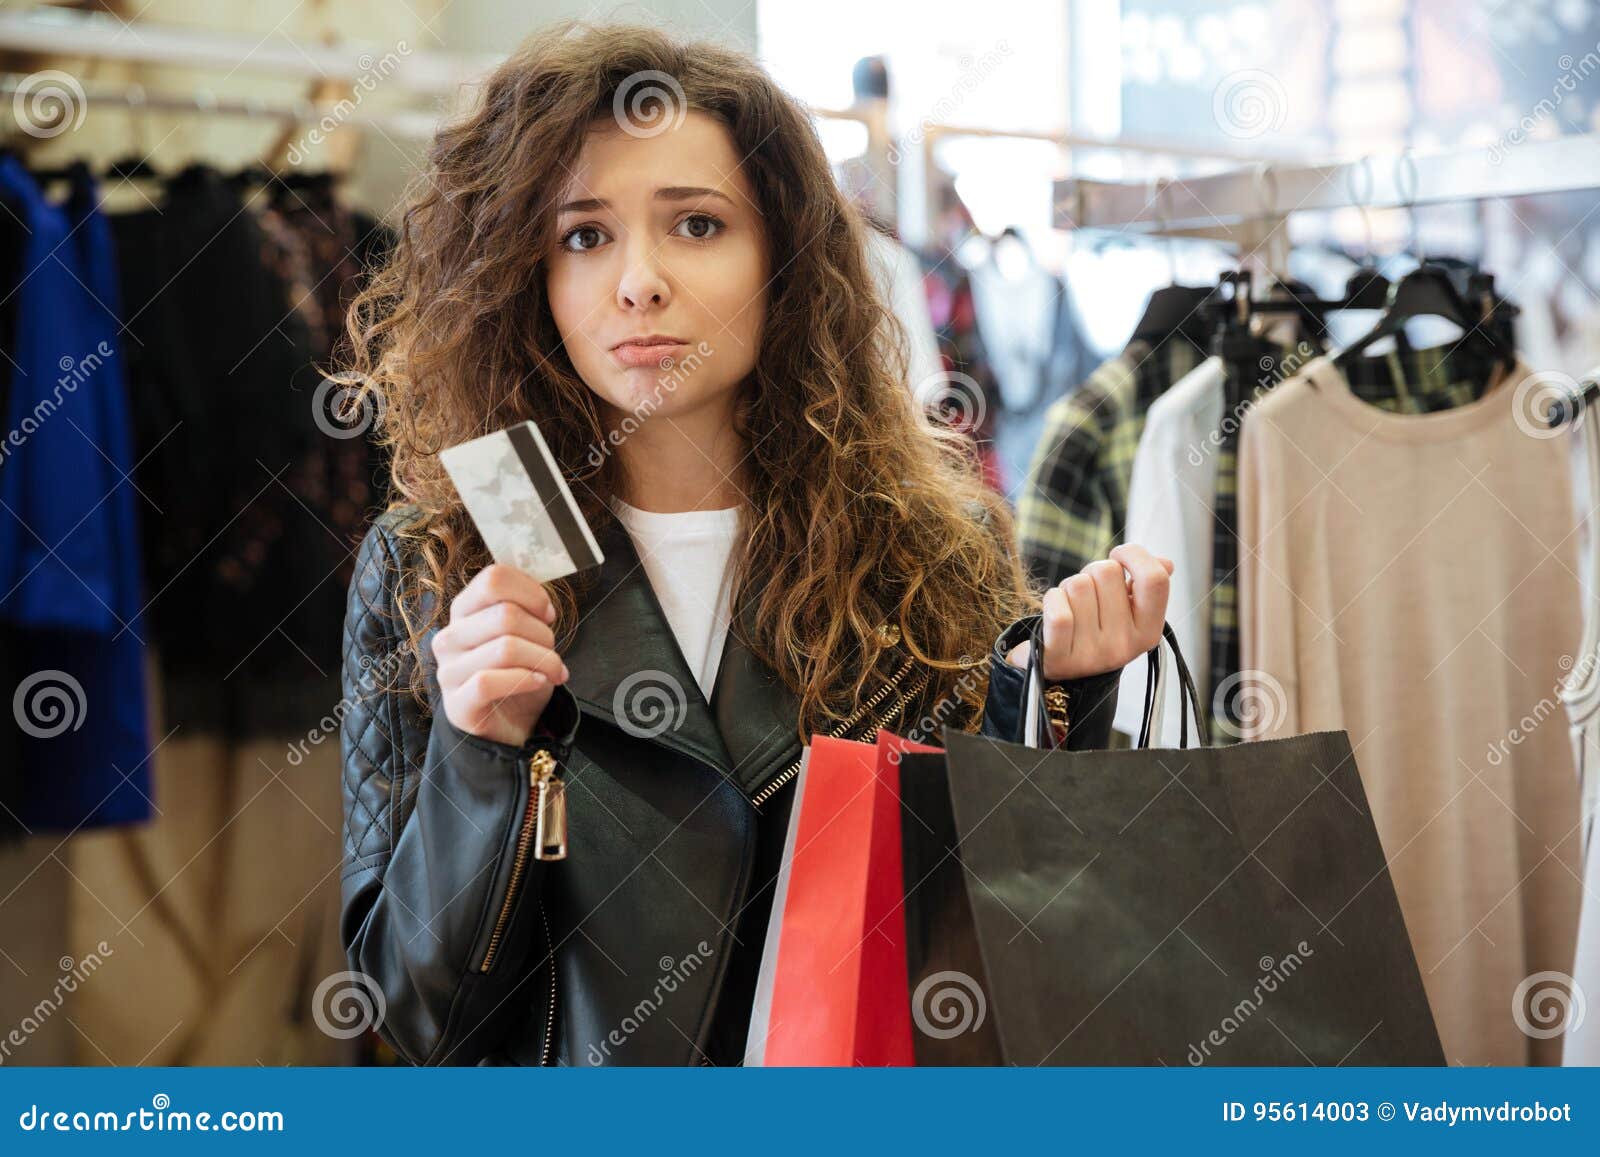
[{"x": 659, "y": 236}]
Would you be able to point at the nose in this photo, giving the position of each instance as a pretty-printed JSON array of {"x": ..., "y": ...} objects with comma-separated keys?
[{"x": 642, "y": 285}]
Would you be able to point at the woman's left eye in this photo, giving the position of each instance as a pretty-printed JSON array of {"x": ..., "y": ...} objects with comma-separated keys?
[{"x": 705, "y": 226}]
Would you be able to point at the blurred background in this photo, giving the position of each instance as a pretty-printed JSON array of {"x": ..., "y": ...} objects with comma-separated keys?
[{"x": 225, "y": 174}]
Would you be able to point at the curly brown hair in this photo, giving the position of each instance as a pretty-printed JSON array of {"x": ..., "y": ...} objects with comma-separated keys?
[{"x": 861, "y": 511}]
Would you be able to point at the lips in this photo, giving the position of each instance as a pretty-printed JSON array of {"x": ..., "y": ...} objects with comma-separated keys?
[
  {"x": 650, "y": 339},
  {"x": 648, "y": 351}
]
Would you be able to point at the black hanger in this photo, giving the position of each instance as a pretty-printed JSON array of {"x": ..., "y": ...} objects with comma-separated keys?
[
  {"x": 1248, "y": 358},
  {"x": 252, "y": 176},
  {"x": 1175, "y": 310},
  {"x": 1296, "y": 298},
  {"x": 1429, "y": 291},
  {"x": 131, "y": 168},
  {"x": 301, "y": 179},
  {"x": 1286, "y": 298},
  {"x": 1501, "y": 313},
  {"x": 1366, "y": 288},
  {"x": 300, "y": 188}
]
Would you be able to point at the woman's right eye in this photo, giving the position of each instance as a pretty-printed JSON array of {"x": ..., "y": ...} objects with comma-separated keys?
[{"x": 589, "y": 235}]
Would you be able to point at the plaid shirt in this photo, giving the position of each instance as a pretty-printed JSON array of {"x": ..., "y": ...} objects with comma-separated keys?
[
  {"x": 1074, "y": 507},
  {"x": 1406, "y": 381}
]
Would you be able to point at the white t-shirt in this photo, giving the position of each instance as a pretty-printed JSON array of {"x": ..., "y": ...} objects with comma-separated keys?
[
  {"x": 1170, "y": 503},
  {"x": 685, "y": 555}
]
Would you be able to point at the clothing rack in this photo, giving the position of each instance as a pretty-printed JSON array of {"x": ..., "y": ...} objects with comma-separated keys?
[
  {"x": 1587, "y": 392},
  {"x": 922, "y": 143},
  {"x": 1249, "y": 207},
  {"x": 48, "y": 31},
  {"x": 202, "y": 101}
]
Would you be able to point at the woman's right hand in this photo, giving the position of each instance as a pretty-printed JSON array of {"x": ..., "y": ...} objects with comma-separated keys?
[{"x": 496, "y": 657}]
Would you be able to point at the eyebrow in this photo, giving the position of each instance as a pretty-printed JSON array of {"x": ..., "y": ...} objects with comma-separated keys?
[{"x": 665, "y": 193}]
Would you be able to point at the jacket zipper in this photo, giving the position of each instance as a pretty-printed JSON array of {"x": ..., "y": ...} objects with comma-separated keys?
[
  {"x": 869, "y": 736},
  {"x": 839, "y": 730},
  {"x": 543, "y": 834},
  {"x": 544, "y": 826}
]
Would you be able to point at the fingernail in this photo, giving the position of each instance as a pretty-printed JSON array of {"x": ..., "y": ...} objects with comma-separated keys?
[
  {"x": 538, "y": 679},
  {"x": 564, "y": 673}
]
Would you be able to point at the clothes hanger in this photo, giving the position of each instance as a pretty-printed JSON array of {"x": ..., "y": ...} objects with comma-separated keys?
[
  {"x": 1288, "y": 297},
  {"x": 131, "y": 168},
  {"x": 1367, "y": 287},
  {"x": 1430, "y": 291},
  {"x": 1250, "y": 359},
  {"x": 1285, "y": 296},
  {"x": 1174, "y": 310}
]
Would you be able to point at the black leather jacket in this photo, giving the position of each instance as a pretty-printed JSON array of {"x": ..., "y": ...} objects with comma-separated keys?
[{"x": 484, "y": 954}]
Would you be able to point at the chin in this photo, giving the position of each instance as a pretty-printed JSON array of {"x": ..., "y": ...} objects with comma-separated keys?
[
  {"x": 649, "y": 391},
  {"x": 643, "y": 389}
]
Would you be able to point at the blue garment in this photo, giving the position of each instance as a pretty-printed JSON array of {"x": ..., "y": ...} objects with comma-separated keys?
[{"x": 70, "y": 574}]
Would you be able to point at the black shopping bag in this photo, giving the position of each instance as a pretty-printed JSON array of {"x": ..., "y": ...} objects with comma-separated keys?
[{"x": 1172, "y": 906}]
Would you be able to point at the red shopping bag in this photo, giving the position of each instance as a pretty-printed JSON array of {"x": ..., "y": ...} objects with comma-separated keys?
[{"x": 833, "y": 988}]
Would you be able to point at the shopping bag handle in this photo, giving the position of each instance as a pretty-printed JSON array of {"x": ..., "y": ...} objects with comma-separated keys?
[
  {"x": 1189, "y": 698},
  {"x": 1033, "y": 708},
  {"x": 1033, "y": 712},
  {"x": 1155, "y": 698}
]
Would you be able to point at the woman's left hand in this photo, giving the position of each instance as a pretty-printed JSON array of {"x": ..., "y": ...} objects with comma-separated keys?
[{"x": 1101, "y": 620}]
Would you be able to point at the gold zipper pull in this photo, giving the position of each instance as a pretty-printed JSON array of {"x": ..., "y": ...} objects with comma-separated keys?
[
  {"x": 1056, "y": 711},
  {"x": 550, "y": 834}
]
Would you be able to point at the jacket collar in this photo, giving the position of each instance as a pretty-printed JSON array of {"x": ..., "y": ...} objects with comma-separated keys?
[{"x": 628, "y": 670}]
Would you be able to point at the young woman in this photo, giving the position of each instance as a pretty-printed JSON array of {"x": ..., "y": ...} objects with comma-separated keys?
[{"x": 565, "y": 802}]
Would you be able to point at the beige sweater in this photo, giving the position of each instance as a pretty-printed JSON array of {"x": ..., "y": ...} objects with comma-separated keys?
[{"x": 1412, "y": 579}]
